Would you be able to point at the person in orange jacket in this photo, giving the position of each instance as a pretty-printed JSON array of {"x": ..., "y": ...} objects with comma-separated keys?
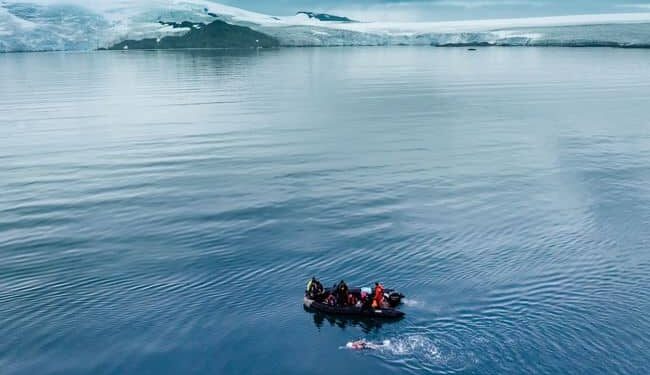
[{"x": 379, "y": 295}]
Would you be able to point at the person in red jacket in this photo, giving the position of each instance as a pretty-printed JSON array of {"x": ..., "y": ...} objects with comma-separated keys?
[{"x": 379, "y": 295}]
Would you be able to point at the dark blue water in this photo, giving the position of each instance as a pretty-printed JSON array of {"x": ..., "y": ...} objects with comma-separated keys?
[{"x": 160, "y": 213}]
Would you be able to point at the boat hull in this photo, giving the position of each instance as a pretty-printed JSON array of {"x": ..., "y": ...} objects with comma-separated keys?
[{"x": 386, "y": 313}]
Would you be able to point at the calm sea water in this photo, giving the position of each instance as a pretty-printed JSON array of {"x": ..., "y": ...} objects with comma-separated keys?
[{"x": 160, "y": 213}]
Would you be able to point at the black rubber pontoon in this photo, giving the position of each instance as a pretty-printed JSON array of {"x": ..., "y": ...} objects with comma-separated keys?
[{"x": 393, "y": 298}]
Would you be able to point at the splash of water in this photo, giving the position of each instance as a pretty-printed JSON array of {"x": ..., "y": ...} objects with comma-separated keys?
[
  {"x": 412, "y": 302},
  {"x": 416, "y": 345}
]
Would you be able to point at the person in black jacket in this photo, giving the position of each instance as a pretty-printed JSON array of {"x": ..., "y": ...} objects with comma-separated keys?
[
  {"x": 366, "y": 301},
  {"x": 314, "y": 289},
  {"x": 342, "y": 293}
]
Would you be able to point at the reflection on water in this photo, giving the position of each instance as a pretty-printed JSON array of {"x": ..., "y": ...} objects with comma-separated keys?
[{"x": 366, "y": 325}]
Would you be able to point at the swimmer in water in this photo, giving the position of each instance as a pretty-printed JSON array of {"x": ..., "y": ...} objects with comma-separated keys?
[{"x": 366, "y": 345}]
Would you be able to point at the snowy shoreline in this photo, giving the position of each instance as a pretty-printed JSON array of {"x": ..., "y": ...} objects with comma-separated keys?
[{"x": 26, "y": 27}]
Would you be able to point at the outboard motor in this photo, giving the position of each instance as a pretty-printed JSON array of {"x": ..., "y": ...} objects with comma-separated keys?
[{"x": 394, "y": 299}]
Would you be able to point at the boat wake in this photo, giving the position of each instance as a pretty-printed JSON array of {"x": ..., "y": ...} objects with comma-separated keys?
[
  {"x": 412, "y": 303},
  {"x": 417, "y": 345}
]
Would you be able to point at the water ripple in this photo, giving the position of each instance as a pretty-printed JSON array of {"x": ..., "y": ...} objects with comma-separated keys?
[{"x": 168, "y": 226}]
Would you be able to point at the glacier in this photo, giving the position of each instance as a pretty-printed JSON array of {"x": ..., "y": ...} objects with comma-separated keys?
[{"x": 52, "y": 25}]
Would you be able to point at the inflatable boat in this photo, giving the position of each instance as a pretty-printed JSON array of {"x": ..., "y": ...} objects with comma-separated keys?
[{"x": 392, "y": 298}]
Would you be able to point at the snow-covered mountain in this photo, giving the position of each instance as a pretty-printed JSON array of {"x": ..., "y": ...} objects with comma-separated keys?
[{"x": 45, "y": 25}]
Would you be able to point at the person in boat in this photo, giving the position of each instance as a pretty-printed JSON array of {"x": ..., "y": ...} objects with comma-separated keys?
[
  {"x": 314, "y": 288},
  {"x": 318, "y": 288},
  {"x": 379, "y": 296},
  {"x": 342, "y": 291},
  {"x": 352, "y": 300},
  {"x": 334, "y": 292},
  {"x": 366, "y": 301}
]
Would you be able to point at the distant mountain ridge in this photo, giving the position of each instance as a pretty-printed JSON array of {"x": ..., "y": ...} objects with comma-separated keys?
[{"x": 217, "y": 34}]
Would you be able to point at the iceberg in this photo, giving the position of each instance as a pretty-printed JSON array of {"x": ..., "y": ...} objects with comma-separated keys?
[{"x": 51, "y": 25}]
